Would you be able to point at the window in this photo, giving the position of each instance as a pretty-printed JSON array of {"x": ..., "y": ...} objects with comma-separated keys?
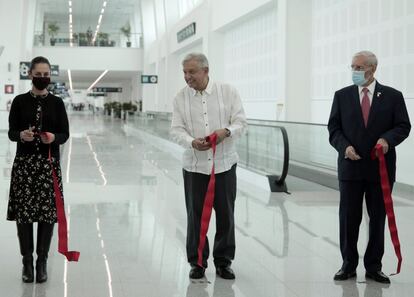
[{"x": 186, "y": 6}]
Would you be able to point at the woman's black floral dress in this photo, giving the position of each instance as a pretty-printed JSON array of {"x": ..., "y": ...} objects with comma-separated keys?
[{"x": 32, "y": 196}]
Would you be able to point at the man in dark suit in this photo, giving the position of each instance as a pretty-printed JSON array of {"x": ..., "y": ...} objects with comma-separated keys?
[{"x": 363, "y": 115}]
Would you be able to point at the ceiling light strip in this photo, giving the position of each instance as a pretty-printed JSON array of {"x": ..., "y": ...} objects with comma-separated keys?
[
  {"x": 99, "y": 21},
  {"x": 70, "y": 79},
  {"x": 97, "y": 80},
  {"x": 70, "y": 24}
]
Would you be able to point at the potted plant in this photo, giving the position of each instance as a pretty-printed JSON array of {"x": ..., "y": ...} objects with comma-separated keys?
[
  {"x": 53, "y": 29},
  {"x": 103, "y": 39},
  {"x": 126, "y": 30}
]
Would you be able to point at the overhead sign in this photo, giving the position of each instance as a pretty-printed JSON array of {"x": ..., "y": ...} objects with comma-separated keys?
[
  {"x": 96, "y": 94},
  {"x": 54, "y": 70},
  {"x": 187, "y": 32},
  {"x": 8, "y": 89},
  {"x": 25, "y": 67},
  {"x": 149, "y": 79},
  {"x": 107, "y": 90}
]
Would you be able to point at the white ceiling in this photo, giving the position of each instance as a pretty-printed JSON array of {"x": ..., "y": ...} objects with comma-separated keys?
[
  {"x": 86, "y": 13},
  {"x": 83, "y": 79}
]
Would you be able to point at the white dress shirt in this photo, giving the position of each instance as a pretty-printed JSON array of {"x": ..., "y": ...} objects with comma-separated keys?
[
  {"x": 371, "y": 89},
  {"x": 197, "y": 115}
]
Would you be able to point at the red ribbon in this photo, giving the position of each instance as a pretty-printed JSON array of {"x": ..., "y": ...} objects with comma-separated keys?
[
  {"x": 377, "y": 152},
  {"x": 60, "y": 208},
  {"x": 208, "y": 202}
]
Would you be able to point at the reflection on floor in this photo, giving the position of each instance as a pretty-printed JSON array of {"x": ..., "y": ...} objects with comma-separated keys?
[{"x": 125, "y": 204}]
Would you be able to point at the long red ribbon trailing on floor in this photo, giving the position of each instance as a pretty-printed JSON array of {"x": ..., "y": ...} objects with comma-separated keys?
[
  {"x": 377, "y": 152},
  {"x": 208, "y": 202},
  {"x": 62, "y": 224}
]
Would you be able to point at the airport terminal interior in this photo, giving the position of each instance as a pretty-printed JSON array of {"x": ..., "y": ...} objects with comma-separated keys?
[{"x": 117, "y": 65}]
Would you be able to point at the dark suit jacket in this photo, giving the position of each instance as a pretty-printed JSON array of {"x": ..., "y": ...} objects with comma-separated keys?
[{"x": 388, "y": 119}]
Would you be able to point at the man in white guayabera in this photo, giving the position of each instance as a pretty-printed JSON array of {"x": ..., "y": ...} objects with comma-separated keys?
[{"x": 201, "y": 108}]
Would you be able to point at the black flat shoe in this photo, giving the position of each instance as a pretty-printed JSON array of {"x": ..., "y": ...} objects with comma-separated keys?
[
  {"x": 342, "y": 275},
  {"x": 378, "y": 276},
  {"x": 225, "y": 272},
  {"x": 197, "y": 272}
]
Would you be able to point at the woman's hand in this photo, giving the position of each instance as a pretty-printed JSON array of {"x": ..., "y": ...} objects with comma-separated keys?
[
  {"x": 27, "y": 135},
  {"x": 47, "y": 137}
]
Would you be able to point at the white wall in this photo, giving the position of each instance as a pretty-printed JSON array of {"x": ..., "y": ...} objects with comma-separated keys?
[
  {"x": 341, "y": 28},
  {"x": 226, "y": 12},
  {"x": 16, "y": 31},
  {"x": 214, "y": 32},
  {"x": 250, "y": 63},
  {"x": 148, "y": 22},
  {"x": 287, "y": 57},
  {"x": 79, "y": 58}
]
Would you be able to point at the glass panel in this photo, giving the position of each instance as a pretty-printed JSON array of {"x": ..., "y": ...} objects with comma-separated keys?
[
  {"x": 261, "y": 149},
  {"x": 81, "y": 39}
]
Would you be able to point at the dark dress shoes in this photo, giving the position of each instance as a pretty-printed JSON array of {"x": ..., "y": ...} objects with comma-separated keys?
[
  {"x": 196, "y": 272},
  {"x": 343, "y": 275},
  {"x": 225, "y": 272},
  {"x": 378, "y": 276}
]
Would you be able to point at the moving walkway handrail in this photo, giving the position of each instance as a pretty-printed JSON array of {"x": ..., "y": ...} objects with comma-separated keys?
[{"x": 278, "y": 183}]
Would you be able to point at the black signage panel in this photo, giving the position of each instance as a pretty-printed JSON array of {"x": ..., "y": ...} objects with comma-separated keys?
[
  {"x": 187, "y": 32},
  {"x": 25, "y": 67},
  {"x": 54, "y": 70},
  {"x": 149, "y": 79},
  {"x": 24, "y": 70},
  {"x": 107, "y": 90}
]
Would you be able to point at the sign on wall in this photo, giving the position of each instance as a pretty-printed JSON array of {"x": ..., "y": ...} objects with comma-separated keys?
[
  {"x": 54, "y": 70},
  {"x": 107, "y": 90},
  {"x": 25, "y": 67},
  {"x": 149, "y": 79},
  {"x": 187, "y": 32},
  {"x": 8, "y": 89}
]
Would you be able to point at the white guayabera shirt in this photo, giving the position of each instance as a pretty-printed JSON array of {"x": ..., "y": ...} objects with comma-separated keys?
[{"x": 197, "y": 115}]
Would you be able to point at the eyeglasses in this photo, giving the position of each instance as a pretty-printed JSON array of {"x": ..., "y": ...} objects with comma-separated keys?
[{"x": 359, "y": 68}]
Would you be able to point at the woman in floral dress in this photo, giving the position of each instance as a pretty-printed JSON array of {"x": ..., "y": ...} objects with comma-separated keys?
[{"x": 32, "y": 196}]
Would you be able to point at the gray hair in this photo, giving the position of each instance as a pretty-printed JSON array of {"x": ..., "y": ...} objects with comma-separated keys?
[
  {"x": 371, "y": 58},
  {"x": 199, "y": 57}
]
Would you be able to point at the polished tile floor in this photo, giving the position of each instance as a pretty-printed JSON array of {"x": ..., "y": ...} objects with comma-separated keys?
[{"x": 125, "y": 205}]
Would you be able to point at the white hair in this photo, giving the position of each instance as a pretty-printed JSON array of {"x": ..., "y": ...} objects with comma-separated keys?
[
  {"x": 199, "y": 57},
  {"x": 371, "y": 58}
]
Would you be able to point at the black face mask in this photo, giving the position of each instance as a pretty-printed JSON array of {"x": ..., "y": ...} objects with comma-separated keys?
[{"x": 41, "y": 83}]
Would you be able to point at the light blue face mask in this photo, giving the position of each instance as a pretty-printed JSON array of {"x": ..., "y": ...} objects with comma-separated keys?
[{"x": 358, "y": 77}]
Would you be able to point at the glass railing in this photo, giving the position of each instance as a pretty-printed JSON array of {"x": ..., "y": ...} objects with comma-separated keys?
[
  {"x": 268, "y": 147},
  {"x": 261, "y": 148},
  {"x": 309, "y": 145},
  {"x": 113, "y": 39}
]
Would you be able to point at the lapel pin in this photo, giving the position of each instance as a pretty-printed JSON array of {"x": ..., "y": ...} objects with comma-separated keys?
[{"x": 378, "y": 94}]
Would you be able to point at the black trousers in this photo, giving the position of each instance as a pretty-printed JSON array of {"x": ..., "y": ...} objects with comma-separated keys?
[
  {"x": 350, "y": 216},
  {"x": 195, "y": 187}
]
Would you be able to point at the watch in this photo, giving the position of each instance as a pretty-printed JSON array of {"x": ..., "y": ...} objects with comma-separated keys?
[{"x": 228, "y": 132}]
